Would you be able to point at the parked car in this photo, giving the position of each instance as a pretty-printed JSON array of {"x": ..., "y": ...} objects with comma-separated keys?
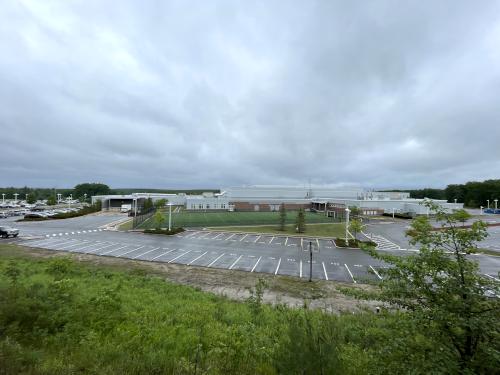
[
  {"x": 5, "y": 232},
  {"x": 3, "y": 215}
]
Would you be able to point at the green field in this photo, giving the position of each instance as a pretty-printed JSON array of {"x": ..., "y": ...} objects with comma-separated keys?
[
  {"x": 316, "y": 230},
  {"x": 215, "y": 219}
]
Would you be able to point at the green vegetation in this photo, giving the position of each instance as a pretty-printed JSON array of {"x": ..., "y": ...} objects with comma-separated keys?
[
  {"x": 300, "y": 221},
  {"x": 282, "y": 221},
  {"x": 87, "y": 190},
  {"x": 158, "y": 219},
  {"x": 62, "y": 317},
  {"x": 128, "y": 225},
  {"x": 355, "y": 227},
  {"x": 164, "y": 231},
  {"x": 211, "y": 219},
  {"x": 317, "y": 230}
]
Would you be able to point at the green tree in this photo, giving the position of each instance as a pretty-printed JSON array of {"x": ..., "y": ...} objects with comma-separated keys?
[
  {"x": 31, "y": 197},
  {"x": 158, "y": 219},
  {"x": 355, "y": 227},
  {"x": 51, "y": 200},
  {"x": 444, "y": 292},
  {"x": 148, "y": 205},
  {"x": 355, "y": 211},
  {"x": 90, "y": 189},
  {"x": 282, "y": 221},
  {"x": 301, "y": 221},
  {"x": 462, "y": 216},
  {"x": 160, "y": 203}
]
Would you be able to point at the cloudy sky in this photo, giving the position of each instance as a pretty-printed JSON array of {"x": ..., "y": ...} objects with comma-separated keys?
[{"x": 216, "y": 93}]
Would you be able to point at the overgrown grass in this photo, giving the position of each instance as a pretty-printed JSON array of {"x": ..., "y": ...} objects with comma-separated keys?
[
  {"x": 317, "y": 230},
  {"x": 62, "y": 317},
  {"x": 209, "y": 219}
]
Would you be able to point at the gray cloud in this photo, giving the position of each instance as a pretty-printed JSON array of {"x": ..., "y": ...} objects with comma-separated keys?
[{"x": 199, "y": 94}]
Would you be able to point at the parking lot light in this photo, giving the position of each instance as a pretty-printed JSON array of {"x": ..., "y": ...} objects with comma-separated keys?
[
  {"x": 169, "y": 217},
  {"x": 347, "y": 210},
  {"x": 496, "y": 204},
  {"x": 487, "y": 200},
  {"x": 15, "y": 197},
  {"x": 481, "y": 209},
  {"x": 393, "y": 212},
  {"x": 3, "y": 198}
]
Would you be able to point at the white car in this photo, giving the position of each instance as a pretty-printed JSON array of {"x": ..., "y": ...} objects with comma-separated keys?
[{"x": 5, "y": 232}]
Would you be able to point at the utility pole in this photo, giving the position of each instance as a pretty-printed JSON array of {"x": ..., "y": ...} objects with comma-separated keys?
[
  {"x": 169, "y": 217},
  {"x": 496, "y": 204},
  {"x": 15, "y": 197},
  {"x": 487, "y": 200},
  {"x": 310, "y": 261},
  {"x": 69, "y": 200},
  {"x": 3, "y": 198}
]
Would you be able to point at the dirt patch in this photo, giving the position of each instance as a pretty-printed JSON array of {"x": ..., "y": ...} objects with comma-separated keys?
[{"x": 233, "y": 284}]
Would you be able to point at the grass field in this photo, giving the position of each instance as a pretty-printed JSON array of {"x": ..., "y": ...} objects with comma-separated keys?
[
  {"x": 317, "y": 230},
  {"x": 213, "y": 219}
]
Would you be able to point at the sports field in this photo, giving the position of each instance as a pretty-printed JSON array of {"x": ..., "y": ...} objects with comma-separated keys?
[
  {"x": 319, "y": 230},
  {"x": 212, "y": 219}
]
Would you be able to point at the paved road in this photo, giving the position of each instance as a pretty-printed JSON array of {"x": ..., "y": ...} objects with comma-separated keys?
[{"x": 278, "y": 255}]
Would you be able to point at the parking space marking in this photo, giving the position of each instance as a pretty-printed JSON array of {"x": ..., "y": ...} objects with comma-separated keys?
[
  {"x": 191, "y": 234},
  {"x": 110, "y": 251},
  {"x": 231, "y": 236},
  {"x": 242, "y": 238},
  {"x": 100, "y": 248},
  {"x": 220, "y": 234},
  {"x": 195, "y": 259},
  {"x": 317, "y": 243},
  {"x": 62, "y": 243},
  {"x": 324, "y": 270},
  {"x": 255, "y": 265},
  {"x": 165, "y": 253},
  {"x": 300, "y": 272},
  {"x": 128, "y": 252},
  {"x": 277, "y": 267},
  {"x": 178, "y": 256},
  {"x": 147, "y": 252},
  {"x": 286, "y": 240},
  {"x": 66, "y": 247},
  {"x": 348, "y": 270},
  {"x": 271, "y": 241},
  {"x": 376, "y": 273},
  {"x": 216, "y": 259},
  {"x": 236, "y": 261},
  {"x": 302, "y": 242},
  {"x": 78, "y": 250},
  {"x": 257, "y": 239}
]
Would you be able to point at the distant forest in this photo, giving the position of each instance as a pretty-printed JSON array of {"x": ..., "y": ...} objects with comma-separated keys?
[{"x": 472, "y": 194}]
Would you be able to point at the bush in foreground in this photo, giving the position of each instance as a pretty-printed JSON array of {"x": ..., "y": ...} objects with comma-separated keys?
[{"x": 164, "y": 231}]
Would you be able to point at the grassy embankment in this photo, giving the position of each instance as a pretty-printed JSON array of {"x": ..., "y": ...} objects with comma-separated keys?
[{"x": 58, "y": 316}]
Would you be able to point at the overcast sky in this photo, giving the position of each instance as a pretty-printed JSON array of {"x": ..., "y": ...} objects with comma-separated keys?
[{"x": 224, "y": 93}]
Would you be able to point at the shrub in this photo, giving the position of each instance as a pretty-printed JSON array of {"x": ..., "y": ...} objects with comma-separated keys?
[{"x": 164, "y": 231}]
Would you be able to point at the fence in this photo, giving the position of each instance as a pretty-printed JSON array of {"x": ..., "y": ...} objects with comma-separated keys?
[{"x": 141, "y": 218}]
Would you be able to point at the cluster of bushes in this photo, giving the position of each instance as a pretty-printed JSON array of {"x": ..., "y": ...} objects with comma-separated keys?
[
  {"x": 164, "y": 231},
  {"x": 399, "y": 215},
  {"x": 340, "y": 242},
  {"x": 60, "y": 317}
]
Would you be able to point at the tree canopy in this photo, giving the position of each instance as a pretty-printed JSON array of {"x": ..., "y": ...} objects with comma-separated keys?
[{"x": 90, "y": 189}]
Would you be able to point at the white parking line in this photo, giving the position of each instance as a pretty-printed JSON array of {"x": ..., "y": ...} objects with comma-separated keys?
[
  {"x": 65, "y": 247},
  {"x": 491, "y": 277},
  {"x": 62, "y": 244},
  {"x": 242, "y": 238},
  {"x": 257, "y": 239},
  {"x": 376, "y": 273},
  {"x": 178, "y": 256},
  {"x": 231, "y": 236},
  {"x": 236, "y": 261},
  {"x": 324, "y": 270},
  {"x": 286, "y": 240},
  {"x": 216, "y": 259},
  {"x": 271, "y": 241},
  {"x": 72, "y": 232},
  {"x": 277, "y": 267},
  {"x": 110, "y": 251},
  {"x": 191, "y": 234},
  {"x": 300, "y": 272},
  {"x": 317, "y": 242},
  {"x": 255, "y": 265},
  {"x": 66, "y": 233},
  {"x": 165, "y": 253},
  {"x": 103, "y": 247},
  {"x": 77, "y": 250},
  {"x": 128, "y": 252},
  {"x": 348, "y": 270},
  {"x": 147, "y": 252},
  {"x": 195, "y": 259},
  {"x": 220, "y": 234},
  {"x": 302, "y": 242}
]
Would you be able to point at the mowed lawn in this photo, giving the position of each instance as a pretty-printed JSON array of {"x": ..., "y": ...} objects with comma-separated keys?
[
  {"x": 315, "y": 230},
  {"x": 215, "y": 219}
]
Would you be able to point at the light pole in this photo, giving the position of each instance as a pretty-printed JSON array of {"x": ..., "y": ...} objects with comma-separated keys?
[
  {"x": 169, "y": 217},
  {"x": 455, "y": 203},
  {"x": 3, "y": 198},
  {"x": 481, "y": 209},
  {"x": 347, "y": 210},
  {"x": 393, "y": 212},
  {"x": 496, "y": 204},
  {"x": 310, "y": 262},
  {"x": 69, "y": 200},
  {"x": 85, "y": 197},
  {"x": 487, "y": 200},
  {"x": 15, "y": 197},
  {"x": 135, "y": 207}
]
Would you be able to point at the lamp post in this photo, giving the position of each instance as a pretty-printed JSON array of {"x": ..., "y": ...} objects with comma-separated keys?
[
  {"x": 169, "y": 217},
  {"x": 393, "y": 212},
  {"x": 481, "y": 209},
  {"x": 347, "y": 210},
  {"x": 15, "y": 197},
  {"x": 69, "y": 200},
  {"x": 496, "y": 204},
  {"x": 85, "y": 197},
  {"x": 135, "y": 207},
  {"x": 3, "y": 198},
  {"x": 487, "y": 200}
]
